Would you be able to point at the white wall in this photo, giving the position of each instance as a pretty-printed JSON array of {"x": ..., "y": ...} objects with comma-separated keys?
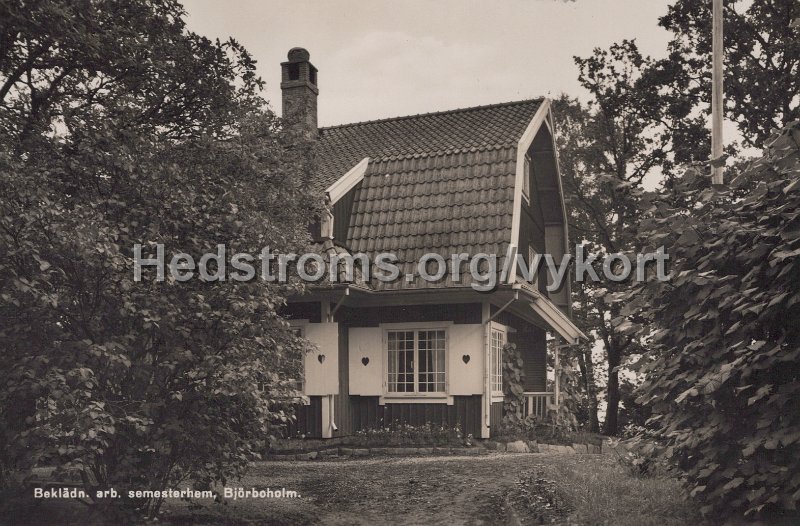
[{"x": 322, "y": 378}]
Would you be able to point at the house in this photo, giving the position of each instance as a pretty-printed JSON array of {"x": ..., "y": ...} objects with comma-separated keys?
[{"x": 474, "y": 180}]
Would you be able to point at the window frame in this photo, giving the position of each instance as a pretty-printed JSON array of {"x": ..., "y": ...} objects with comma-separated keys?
[
  {"x": 526, "y": 180},
  {"x": 416, "y": 328},
  {"x": 300, "y": 326},
  {"x": 497, "y": 361}
]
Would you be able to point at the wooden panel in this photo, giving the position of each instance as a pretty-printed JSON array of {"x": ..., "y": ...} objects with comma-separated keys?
[
  {"x": 532, "y": 345},
  {"x": 303, "y": 311},
  {"x": 465, "y": 412},
  {"x": 495, "y": 417},
  {"x": 465, "y": 378},
  {"x": 343, "y": 413},
  {"x": 309, "y": 419},
  {"x": 321, "y": 377},
  {"x": 373, "y": 316},
  {"x": 366, "y": 361},
  {"x": 341, "y": 215}
]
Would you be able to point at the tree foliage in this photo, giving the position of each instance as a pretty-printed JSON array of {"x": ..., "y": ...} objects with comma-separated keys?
[
  {"x": 629, "y": 130},
  {"x": 119, "y": 126},
  {"x": 762, "y": 61},
  {"x": 722, "y": 378}
]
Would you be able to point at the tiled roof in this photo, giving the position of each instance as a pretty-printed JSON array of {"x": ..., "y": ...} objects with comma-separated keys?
[
  {"x": 438, "y": 182},
  {"x": 481, "y": 127}
]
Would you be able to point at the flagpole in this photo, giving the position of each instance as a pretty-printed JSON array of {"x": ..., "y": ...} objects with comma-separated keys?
[{"x": 717, "y": 95}]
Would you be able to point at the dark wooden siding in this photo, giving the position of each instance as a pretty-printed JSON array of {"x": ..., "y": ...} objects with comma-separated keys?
[
  {"x": 495, "y": 417},
  {"x": 310, "y": 311},
  {"x": 374, "y": 316},
  {"x": 531, "y": 228},
  {"x": 343, "y": 414},
  {"x": 341, "y": 215},
  {"x": 309, "y": 419},
  {"x": 532, "y": 345},
  {"x": 465, "y": 412}
]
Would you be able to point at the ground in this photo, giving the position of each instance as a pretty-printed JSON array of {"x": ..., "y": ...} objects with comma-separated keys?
[{"x": 550, "y": 489}]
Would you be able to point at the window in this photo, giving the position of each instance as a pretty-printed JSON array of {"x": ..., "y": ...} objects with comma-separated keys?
[
  {"x": 498, "y": 341},
  {"x": 299, "y": 384},
  {"x": 526, "y": 179},
  {"x": 416, "y": 361}
]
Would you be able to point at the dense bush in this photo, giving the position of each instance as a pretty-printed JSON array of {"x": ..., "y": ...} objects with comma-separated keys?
[
  {"x": 119, "y": 126},
  {"x": 723, "y": 377}
]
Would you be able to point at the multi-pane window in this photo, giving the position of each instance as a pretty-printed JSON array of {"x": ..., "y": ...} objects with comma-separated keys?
[
  {"x": 498, "y": 341},
  {"x": 416, "y": 361},
  {"x": 401, "y": 361}
]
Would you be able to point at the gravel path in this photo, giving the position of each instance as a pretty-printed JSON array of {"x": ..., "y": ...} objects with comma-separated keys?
[{"x": 416, "y": 490}]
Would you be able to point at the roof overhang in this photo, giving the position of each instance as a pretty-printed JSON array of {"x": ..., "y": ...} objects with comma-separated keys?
[
  {"x": 346, "y": 182},
  {"x": 528, "y": 304},
  {"x": 555, "y": 318},
  {"x": 523, "y": 145}
]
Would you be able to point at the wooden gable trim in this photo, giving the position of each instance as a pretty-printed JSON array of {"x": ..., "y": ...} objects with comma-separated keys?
[
  {"x": 346, "y": 182},
  {"x": 522, "y": 149},
  {"x": 552, "y": 128},
  {"x": 555, "y": 318}
]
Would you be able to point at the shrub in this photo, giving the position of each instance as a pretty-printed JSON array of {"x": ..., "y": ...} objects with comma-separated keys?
[
  {"x": 403, "y": 434},
  {"x": 723, "y": 377},
  {"x": 130, "y": 129}
]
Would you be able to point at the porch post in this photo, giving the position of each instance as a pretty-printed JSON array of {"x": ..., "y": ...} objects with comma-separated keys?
[
  {"x": 486, "y": 315},
  {"x": 557, "y": 379},
  {"x": 327, "y": 416}
]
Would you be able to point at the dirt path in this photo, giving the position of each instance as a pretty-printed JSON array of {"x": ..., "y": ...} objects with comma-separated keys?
[{"x": 419, "y": 490}]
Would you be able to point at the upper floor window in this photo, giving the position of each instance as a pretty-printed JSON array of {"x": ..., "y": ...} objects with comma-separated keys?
[
  {"x": 526, "y": 180},
  {"x": 416, "y": 361}
]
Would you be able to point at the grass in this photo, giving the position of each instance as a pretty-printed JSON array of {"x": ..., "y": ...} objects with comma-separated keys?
[
  {"x": 599, "y": 491},
  {"x": 554, "y": 489}
]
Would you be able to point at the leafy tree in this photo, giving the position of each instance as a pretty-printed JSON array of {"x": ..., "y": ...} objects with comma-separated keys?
[
  {"x": 628, "y": 131},
  {"x": 723, "y": 380},
  {"x": 762, "y": 61},
  {"x": 119, "y": 126}
]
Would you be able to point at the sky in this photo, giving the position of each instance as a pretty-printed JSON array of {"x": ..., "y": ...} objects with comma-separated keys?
[{"x": 381, "y": 58}]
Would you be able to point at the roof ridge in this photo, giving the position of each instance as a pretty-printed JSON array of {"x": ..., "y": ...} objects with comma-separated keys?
[
  {"x": 443, "y": 112},
  {"x": 438, "y": 153}
]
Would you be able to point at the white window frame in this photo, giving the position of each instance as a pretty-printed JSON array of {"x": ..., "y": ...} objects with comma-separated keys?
[
  {"x": 526, "y": 180},
  {"x": 496, "y": 360},
  {"x": 300, "y": 325},
  {"x": 416, "y": 395}
]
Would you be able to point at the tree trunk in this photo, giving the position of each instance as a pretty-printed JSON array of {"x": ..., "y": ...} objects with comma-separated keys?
[
  {"x": 612, "y": 390},
  {"x": 587, "y": 372}
]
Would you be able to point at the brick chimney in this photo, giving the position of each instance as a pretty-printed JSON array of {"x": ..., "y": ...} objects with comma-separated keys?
[{"x": 299, "y": 87}]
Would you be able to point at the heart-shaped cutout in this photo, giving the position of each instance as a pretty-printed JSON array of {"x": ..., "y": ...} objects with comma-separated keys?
[
  {"x": 365, "y": 360},
  {"x": 465, "y": 358},
  {"x": 321, "y": 358}
]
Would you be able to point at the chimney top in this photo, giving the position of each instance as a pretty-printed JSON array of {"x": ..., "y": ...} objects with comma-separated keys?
[
  {"x": 298, "y": 54},
  {"x": 299, "y": 87}
]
